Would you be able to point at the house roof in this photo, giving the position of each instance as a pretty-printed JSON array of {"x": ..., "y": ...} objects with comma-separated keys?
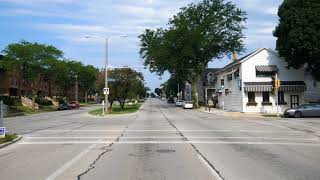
[
  {"x": 244, "y": 58},
  {"x": 207, "y": 71}
]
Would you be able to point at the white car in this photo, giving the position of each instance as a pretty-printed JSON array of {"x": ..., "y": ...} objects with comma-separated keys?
[
  {"x": 179, "y": 103},
  {"x": 187, "y": 105}
]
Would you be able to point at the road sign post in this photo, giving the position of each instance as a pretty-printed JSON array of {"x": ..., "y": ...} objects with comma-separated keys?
[
  {"x": 103, "y": 108},
  {"x": 2, "y": 129}
]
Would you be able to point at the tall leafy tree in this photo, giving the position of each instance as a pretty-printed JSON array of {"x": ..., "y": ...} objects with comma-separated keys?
[
  {"x": 198, "y": 34},
  {"x": 124, "y": 83},
  {"x": 298, "y": 37},
  {"x": 29, "y": 60}
]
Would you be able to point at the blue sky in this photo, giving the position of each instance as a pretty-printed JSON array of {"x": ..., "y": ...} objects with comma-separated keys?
[{"x": 65, "y": 23}]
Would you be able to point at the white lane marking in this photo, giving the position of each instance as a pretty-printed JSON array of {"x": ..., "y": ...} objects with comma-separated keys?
[
  {"x": 172, "y": 142},
  {"x": 71, "y": 162},
  {"x": 187, "y": 130},
  {"x": 267, "y": 123},
  {"x": 301, "y": 124},
  {"x": 160, "y": 137},
  {"x": 211, "y": 170}
]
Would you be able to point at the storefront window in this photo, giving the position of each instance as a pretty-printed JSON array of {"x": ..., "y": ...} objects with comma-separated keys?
[
  {"x": 251, "y": 97},
  {"x": 265, "y": 97}
]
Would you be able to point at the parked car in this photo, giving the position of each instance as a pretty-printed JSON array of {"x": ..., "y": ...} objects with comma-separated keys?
[
  {"x": 64, "y": 106},
  {"x": 179, "y": 103},
  {"x": 187, "y": 105},
  {"x": 75, "y": 104},
  {"x": 306, "y": 110},
  {"x": 170, "y": 101}
]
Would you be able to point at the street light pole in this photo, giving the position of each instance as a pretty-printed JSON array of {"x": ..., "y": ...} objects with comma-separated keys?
[
  {"x": 76, "y": 89},
  {"x": 106, "y": 76},
  {"x": 106, "y": 102}
]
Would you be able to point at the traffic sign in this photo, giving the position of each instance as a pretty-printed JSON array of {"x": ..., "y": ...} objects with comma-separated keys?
[
  {"x": 106, "y": 91},
  {"x": 2, "y": 132}
]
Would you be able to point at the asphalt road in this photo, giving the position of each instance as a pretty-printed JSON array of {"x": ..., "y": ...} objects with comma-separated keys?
[{"x": 161, "y": 142}]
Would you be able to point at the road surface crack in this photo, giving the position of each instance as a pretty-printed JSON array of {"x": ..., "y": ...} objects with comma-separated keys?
[
  {"x": 106, "y": 149},
  {"x": 193, "y": 146}
]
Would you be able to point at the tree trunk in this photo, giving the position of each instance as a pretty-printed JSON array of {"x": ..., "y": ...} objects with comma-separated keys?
[
  {"x": 122, "y": 104},
  {"x": 33, "y": 101},
  {"x": 195, "y": 94},
  {"x": 19, "y": 84},
  {"x": 110, "y": 108},
  {"x": 86, "y": 97}
]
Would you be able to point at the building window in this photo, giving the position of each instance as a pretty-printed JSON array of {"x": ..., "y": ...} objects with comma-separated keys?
[
  {"x": 251, "y": 99},
  {"x": 281, "y": 98},
  {"x": 1, "y": 74},
  {"x": 226, "y": 92},
  {"x": 222, "y": 82},
  {"x": 264, "y": 74},
  {"x": 266, "y": 98},
  {"x": 229, "y": 77},
  {"x": 236, "y": 74}
]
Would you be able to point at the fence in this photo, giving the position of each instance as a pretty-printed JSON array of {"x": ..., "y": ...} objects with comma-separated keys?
[{"x": 28, "y": 103}]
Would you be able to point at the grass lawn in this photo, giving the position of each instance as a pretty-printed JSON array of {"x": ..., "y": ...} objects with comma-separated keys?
[
  {"x": 8, "y": 138},
  {"x": 116, "y": 109},
  {"x": 23, "y": 111}
]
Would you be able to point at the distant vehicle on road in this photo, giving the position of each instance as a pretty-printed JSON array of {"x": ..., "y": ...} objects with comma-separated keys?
[
  {"x": 170, "y": 101},
  {"x": 75, "y": 104},
  {"x": 64, "y": 106},
  {"x": 306, "y": 110},
  {"x": 179, "y": 103},
  {"x": 187, "y": 105}
]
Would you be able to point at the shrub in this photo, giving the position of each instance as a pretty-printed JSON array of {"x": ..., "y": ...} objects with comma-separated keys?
[
  {"x": 7, "y": 100},
  {"x": 43, "y": 101}
]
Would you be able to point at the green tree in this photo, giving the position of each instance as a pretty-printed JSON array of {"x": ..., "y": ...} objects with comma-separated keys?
[
  {"x": 29, "y": 60},
  {"x": 198, "y": 34},
  {"x": 123, "y": 85},
  {"x": 298, "y": 37}
]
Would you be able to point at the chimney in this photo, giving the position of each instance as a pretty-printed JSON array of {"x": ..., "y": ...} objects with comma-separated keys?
[{"x": 235, "y": 56}]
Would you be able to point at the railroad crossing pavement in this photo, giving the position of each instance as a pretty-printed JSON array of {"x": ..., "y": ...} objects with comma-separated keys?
[{"x": 161, "y": 142}]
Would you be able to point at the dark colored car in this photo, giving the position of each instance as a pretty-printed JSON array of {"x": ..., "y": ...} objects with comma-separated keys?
[
  {"x": 75, "y": 104},
  {"x": 64, "y": 106},
  {"x": 170, "y": 101},
  {"x": 306, "y": 110}
]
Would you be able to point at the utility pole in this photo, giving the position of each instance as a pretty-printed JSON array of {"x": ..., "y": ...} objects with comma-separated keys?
[
  {"x": 106, "y": 101},
  {"x": 277, "y": 94},
  {"x": 76, "y": 89},
  {"x": 178, "y": 91},
  {"x": 1, "y": 113}
]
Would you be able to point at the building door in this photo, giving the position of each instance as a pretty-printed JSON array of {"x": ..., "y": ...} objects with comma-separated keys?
[{"x": 294, "y": 101}]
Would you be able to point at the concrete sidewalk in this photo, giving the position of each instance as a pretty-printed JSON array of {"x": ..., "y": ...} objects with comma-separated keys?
[{"x": 221, "y": 112}]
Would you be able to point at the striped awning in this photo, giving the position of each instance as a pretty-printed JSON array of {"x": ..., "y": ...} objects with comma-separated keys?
[
  {"x": 293, "y": 88},
  {"x": 286, "y": 86},
  {"x": 258, "y": 88},
  {"x": 267, "y": 68}
]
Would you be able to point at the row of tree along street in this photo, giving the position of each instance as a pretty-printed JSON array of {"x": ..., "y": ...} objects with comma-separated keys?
[
  {"x": 211, "y": 29},
  {"x": 35, "y": 62}
]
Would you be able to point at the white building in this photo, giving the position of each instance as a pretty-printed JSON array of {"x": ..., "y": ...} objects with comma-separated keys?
[{"x": 245, "y": 85}]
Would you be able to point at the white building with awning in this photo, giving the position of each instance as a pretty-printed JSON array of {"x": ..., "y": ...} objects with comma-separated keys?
[{"x": 245, "y": 84}]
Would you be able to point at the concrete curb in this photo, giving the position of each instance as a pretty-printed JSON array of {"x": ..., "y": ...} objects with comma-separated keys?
[{"x": 11, "y": 142}]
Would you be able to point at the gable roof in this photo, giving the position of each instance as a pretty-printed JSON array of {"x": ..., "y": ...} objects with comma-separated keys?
[
  {"x": 245, "y": 58},
  {"x": 207, "y": 71}
]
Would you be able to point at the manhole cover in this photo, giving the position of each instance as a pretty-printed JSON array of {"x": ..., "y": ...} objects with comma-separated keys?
[{"x": 166, "y": 151}]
